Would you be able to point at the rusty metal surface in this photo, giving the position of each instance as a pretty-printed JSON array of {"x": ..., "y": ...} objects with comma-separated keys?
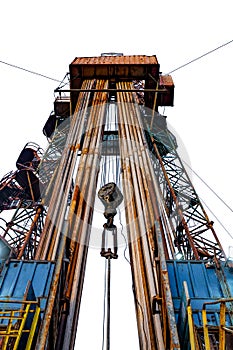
[
  {"x": 133, "y": 59},
  {"x": 52, "y": 245},
  {"x": 80, "y": 214},
  {"x": 203, "y": 242},
  {"x": 62, "y": 106},
  {"x": 54, "y": 241},
  {"x": 166, "y": 80},
  {"x": 142, "y": 211},
  {"x": 135, "y": 67}
]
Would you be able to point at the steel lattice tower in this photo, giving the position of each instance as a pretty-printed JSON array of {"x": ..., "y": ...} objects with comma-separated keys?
[{"x": 108, "y": 142}]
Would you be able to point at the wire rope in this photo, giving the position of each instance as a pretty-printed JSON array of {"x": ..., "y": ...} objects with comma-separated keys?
[
  {"x": 30, "y": 71},
  {"x": 216, "y": 218},
  {"x": 104, "y": 304},
  {"x": 199, "y": 177},
  {"x": 108, "y": 302},
  {"x": 122, "y": 234},
  {"x": 199, "y": 57},
  {"x": 172, "y": 71}
]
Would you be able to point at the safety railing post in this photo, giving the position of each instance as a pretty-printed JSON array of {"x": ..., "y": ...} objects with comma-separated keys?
[
  {"x": 205, "y": 330},
  {"x": 14, "y": 321},
  {"x": 8, "y": 331},
  {"x": 33, "y": 328},
  {"x": 24, "y": 317},
  {"x": 191, "y": 327},
  {"x": 222, "y": 322}
]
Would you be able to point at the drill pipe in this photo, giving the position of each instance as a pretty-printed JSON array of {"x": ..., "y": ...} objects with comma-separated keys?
[
  {"x": 138, "y": 242},
  {"x": 137, "y": 273},
  {"x": 138, "y": 170},
  {"x": 145, "y": 202},
  {"x": 77, "y": 129},
  {"x": 82, "y": 206},
  {"x": 162, "y": 252},
  {"x": 136, "y": 131},
  {"x": 56, "y": 214},
  {"x": 59, "y": 197}
]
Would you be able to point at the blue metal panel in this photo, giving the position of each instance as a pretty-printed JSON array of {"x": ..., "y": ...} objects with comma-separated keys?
[
  {"x": 229, "y": 277},
  {"x": 203, "y": 286},
  {"x": 202, "y": 282},
  {"x": 216, "y": 290},
  {"x": 17, "y": 275}
]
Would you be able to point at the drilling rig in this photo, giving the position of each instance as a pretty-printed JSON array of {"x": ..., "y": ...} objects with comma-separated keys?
[{"x": 110, "y": 151}]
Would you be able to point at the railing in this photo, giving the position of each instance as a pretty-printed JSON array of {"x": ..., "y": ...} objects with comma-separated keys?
[
  {"x": 16, "y": 322},
  {"x": 222, "y": 323},
  {"x": 219, "y": 331},
  {"x": 187, "y": 332}
]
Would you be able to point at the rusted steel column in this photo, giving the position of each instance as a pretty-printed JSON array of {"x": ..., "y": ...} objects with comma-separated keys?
[
  {"x": 82, "y": 209},
  {"x": 62, "y": 181},
  {"x": 30, "y": 231},
  {"x": 56, "y": 225},
  {"x": 141, "y": 301},
  {"x": 139, "y": 170},
  {"x": 163, "y": 274},
  {"x": 195, "y": 252},
  {"x": 145, "y": 201},
  {"x": 132, "y": 222},
  {"x": 138, "y": 243}
]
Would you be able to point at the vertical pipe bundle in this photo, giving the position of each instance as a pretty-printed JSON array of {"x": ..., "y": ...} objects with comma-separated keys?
[
  {"x": 72, "y": 230},
  {"x": 68, "y": 227},
  {"x": 81, "y": 210},
  {"x": 142, "y": 198}
]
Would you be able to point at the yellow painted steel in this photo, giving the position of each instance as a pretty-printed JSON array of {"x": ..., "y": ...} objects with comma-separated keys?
[
  {"x": 205, "y": 330},
  {"x": 191, "y": 328},
  {"x": 23, "y": 320},
  {"x": 33, "y": 328},
  {"x": 8, "y": 330},
  {"x": 15, "y": 322},
  {"x": 222, "y": 324},
  {"x": 222, "y": 337}
]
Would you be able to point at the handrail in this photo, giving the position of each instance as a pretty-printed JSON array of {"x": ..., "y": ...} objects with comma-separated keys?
[
  {"x": 222, "y": 321},
  {"x": 14, "y": 320}
]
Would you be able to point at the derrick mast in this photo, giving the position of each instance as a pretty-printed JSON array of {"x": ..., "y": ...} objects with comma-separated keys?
[{"x": 108, "y": 142}]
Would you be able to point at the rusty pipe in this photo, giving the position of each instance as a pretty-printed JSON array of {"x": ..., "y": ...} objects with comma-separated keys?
[
  {"x": 137, "y": 243},
  {"x": 86, "y": 182}
]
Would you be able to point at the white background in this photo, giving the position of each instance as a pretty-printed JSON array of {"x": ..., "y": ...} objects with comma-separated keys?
[{"x": 46, "y": 36}]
